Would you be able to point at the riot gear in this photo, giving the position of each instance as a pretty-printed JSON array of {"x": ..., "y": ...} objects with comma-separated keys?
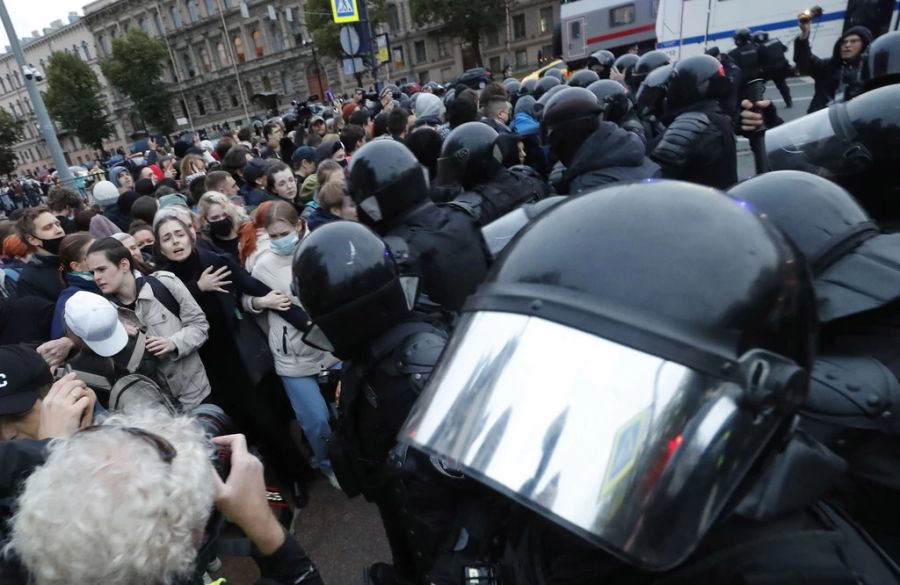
[
  {"x": 884, "y": 61},
  {"x": 601, "y": 63},
  {"x": 855, "y": 144},
  {"x": 613, "y": 99},
  {"x": 742, "y": 36},
  {"x": 553, "y": 72},
  {"x": 469, "y": 155},
  {"x": 855, "y": 268},
  {"x": 649, "y": 62},
  {"x": 625, "y": 64},
  {"x": 695, "y": 79},
  {"x": 583, "y": 78},
  {"x": 682, "y": 389},
  {"x": 385, "y": 181},
  {"x": 544, "y": 84},
  {"x": 527, "y": 87},
  {"x": 512, "y": 87},
  {"x": 651, "y": 97},
  {"x": 760, "y": 36},
  {"x": 573, "y": 106},
  {"x": 475, "y": 78}
]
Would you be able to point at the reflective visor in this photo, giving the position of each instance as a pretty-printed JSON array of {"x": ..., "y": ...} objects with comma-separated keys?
[{"x": 634, "y": 453}]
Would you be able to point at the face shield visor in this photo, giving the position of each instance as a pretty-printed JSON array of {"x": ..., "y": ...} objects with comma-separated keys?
[{"x": 630, "y": 451}]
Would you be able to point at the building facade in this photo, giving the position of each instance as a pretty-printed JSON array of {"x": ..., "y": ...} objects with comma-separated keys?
[{"x": 32, "y": 153}]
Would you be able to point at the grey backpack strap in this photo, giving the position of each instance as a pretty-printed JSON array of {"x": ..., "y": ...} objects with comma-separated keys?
[{"x": 138, "y": 354}]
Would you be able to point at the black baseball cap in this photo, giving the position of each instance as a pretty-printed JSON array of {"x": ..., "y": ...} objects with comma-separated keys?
[{"x": 23, "y": 372}]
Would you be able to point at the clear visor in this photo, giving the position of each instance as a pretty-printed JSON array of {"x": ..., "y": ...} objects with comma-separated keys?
[{"x": 634, "y": 453}]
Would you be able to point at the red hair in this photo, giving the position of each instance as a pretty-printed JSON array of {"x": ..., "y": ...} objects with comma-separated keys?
[
  {"x": 248, "y": 229},
  {"x": 14, "y": 247}
]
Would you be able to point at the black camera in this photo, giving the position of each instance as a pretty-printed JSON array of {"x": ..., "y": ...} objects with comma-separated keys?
[{"x": 215, "y": 423}]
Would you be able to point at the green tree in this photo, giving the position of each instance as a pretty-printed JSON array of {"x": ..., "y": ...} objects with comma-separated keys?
[
  {"x": 135, "y": 69},
  {"x": 467, "y": 20},
  {"x": 10, "y": 134},
  {"x": 326, "y": 33},
  {"x": 75, "y": 100}
]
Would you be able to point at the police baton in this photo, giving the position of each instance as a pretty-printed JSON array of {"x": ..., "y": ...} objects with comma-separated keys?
[{"x": 755, "y": 92}]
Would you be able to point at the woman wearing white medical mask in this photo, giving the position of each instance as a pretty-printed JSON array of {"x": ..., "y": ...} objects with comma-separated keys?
[{"x": 297, "y": 363}]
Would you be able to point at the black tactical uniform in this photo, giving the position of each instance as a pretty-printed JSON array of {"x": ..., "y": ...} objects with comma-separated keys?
[
  {"x": 698, "y": 144},
  {"x": 774, "y": 64},
  {"x": 439, "y": 243}
]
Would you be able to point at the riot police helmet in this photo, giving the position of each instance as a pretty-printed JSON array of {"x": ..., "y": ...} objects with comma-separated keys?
[
  {"x": 543, "y": 84},
  {"x": 527, "y": 87},
  {"x": 613, "y": 99},
  {"x": 392, "y": 87},
  {"x": 469, "y": 156},
  {"x": 568, "y": 106},
  {"x": 742, "y": 36},
  {"x": 603, "y": 61},
  {"x": 553, "y": 72},
  {"x": 694, "y": 79},
  {"x": 855, "y": 267},
  {"x": 761, "y": 37},
  {"x": 349, "y": 283},
  {"x": 651, "y": 96},
  {"x": 385, "y": 181},
  {"x": 884, "y": 61},
  {"x": 550, "y": 93},
  {"x": 512, "y": 87},
  {"x": 648, "y": 62},
  {"x": 583, "y": 78},
  {"x": 626, "y": 62},
  {"x": 855, "y": 144},
  {"x": 704, "y": 340}
]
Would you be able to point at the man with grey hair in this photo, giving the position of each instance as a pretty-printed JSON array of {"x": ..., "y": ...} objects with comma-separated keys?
[{"x": 127, "y": 502}]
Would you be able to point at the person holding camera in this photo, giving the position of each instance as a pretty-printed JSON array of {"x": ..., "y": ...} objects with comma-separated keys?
[
  {"x": 139, "y": 491},
  {"x": 839, "y": 77}
]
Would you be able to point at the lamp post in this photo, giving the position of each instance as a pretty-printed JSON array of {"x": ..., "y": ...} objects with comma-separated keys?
[
  {"x": 43, "y": 118},
  {"x": 309, "y": 43}
]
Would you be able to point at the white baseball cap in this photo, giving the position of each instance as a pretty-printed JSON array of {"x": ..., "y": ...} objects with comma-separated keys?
[{"x": 96, "y": 322}]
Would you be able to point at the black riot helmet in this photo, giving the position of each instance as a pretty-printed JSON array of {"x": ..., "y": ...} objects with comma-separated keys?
[
  {"x": 601, "y": 62},
  {"x": 648, "y": 62},
  {"x": 761, "y": 37},
  {"x": 385, "y": 181},
  {"x": 613, "y": 99},
  {"x": 651, "y": 96},
  {"x": 348, "y": 282},
  {"x": 884, "y": 61},
  {"x": 855, "y": 267},
  {"x": 512, "y": 87},
  {"x": 583, "y": 78},
  {"x": 568, "y": 119},
  {"x": 855, "y": 144},
  {"x": 553, "y": 72},
  {"x": 625, "y": 64},
  {"x": 703, "y": 337},
  {"x": 742, "y": 36},
  {"x": 469, "y": 156},
  {"x": 527, "y": 87},
  {"x": 694, "y": 79},
  {"x": 543, "y": 85}
]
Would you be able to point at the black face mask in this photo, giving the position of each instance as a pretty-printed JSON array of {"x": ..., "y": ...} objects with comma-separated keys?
[
  {"x": 221, "y": 227},
  {"x": 147, "y": 251},
  {"x": 52, "y": 246}
]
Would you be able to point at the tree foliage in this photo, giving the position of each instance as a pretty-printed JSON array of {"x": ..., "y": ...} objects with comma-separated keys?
[
  {"x": 10, "y": 134},
  {"x": 136, "y": 68},
  {"x": 467, "y": 20},
  {"x": 326, "y": 33},
  {"x": 75, "y": 100}
]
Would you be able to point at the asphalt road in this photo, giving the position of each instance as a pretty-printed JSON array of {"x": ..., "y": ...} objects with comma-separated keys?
[{"x": 802, "y": 93}]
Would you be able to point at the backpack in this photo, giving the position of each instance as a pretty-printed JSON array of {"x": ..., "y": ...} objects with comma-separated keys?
[{"x": 162, "y": 294}]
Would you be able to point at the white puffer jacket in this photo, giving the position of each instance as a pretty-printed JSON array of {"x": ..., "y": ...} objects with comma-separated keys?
[{"x": 293, "y": 358}]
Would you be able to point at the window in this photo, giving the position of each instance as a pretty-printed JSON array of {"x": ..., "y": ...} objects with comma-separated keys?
[
  {"x": 239, "y": 49},
  {"x": 18, "y": 81},
  {"x": 210, "y": 7},
  {"x": 442, "y": 47},
  {"x": 547, "y": 52},
  {"x": 248, "y": 90},
  {"x": 201, "y": 107},
  {"x": 494, "y": 65},
  {"x": 193, "y": 14},
  {"x": 621, "y": 15},
  {"x": 424, "y": 78},
  {"x": 521, "y": 59},
  {"x": 275, "y": 35},
  {"x": 575, "y": 29},
  {"x": 492, "y": 39},
  {"x": 188, "y": 64},
  {"x": 266, "y": 83},
  {"x": 287, "y": 84},
  {"x": 104, "y": 44},
  {"x": 142, "y": 24},
  {"x": 223, "y": 55},
  {"x": 546, "y": 19},
  {"x": 176, "y": 17},
  {"x": 184, "y": 110},
  {"x": 216, "y": 103},
  {"x": 393, "y": 18},
  {"x": 398, "y": 57},
  {"x": 258, "y": 43},
  {"x": 2, "y": 85},
  {"x": 419, "y": 47},
  {"x": 157, "y": 20},
  {"x": 519, "y": 26},
  {"x": 232, "y": 97},
  {"x": 84, "y": 48},
  {"x": 205, "y": 60}
]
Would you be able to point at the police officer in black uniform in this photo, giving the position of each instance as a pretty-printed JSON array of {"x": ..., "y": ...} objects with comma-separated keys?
[
  {"x": 698, "y": 144},
  {"x": 774, "y": 64},
  {"x": 593, "y": 152},
  {"x": 650, "y": 102},
  {"x": 855, "y": 395},
  {"x": 471, "y": 159},
  {"x": 648, "y": 62},
  {"x": 601, "y": 63},
  {"x": 362, "y": 310},
  {"x": 441, "y": 244},
  {"x": 687, "y": 354},
  {"x": 617, "y": 107}
]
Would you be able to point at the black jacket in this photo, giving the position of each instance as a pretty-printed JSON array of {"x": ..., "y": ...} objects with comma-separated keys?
[
  {"x": 609, "y": 155},
  {"x": 25, "y": 320},
  {"x": 698, "y": 146},
  {"x": 40, "y": 278},
  {"x": 832, "y": 74}
]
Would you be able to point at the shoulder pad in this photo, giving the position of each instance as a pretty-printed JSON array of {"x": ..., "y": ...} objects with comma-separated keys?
[
  {"x": 854, "y": 392},
  {"x": 399, "y": 248},
  {"x": 468, "y": 202},
  {"x": 680, "y": 137}
]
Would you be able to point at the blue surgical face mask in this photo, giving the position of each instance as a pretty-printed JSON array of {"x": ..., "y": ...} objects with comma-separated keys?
[
  {"x": 285, "y": 245},
  {"x": 82, "y": 275}
]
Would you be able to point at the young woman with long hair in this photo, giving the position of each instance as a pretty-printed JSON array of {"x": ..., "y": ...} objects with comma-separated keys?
[
  {"x": 297, "y": 363},
  {"x": 162, "y": 307},
  {"x": 220, "y": 221},
  {"x": 73, "y": 266}
]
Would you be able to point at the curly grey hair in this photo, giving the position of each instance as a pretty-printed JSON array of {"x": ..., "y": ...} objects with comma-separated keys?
[{"x": 106, "y": 508}]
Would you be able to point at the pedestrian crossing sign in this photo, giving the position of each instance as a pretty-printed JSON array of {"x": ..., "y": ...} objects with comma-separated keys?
[{"x": 345, "y": 10}]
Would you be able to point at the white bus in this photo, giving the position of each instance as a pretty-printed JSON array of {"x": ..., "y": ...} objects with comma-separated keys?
[{"x": 688, "y": 27}]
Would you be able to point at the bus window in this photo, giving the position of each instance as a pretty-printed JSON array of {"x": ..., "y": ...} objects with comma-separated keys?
[{"x": 621, "y": 15}]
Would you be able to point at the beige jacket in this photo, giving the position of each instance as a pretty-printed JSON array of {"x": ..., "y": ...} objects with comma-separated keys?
[{"x": 183, "y": 368}]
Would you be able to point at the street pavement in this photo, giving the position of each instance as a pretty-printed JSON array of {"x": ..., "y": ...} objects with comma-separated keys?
[{"x": 802, "y": 90}]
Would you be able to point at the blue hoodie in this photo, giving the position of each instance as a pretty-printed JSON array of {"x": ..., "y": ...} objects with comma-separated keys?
[{"x": 525, "y": 125}]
